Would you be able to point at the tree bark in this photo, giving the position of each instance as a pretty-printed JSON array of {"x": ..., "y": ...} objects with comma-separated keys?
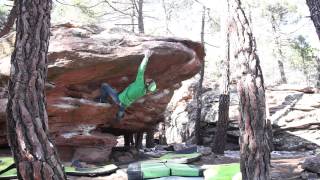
[
  {"x": 198, "y": 134},
  {"x": 28, "y": 134},
  {"x": 314, "y": 7},
  {"x": 10, "y": 21},
  {"x": 224, "y": 99},
  {"x": 254, "y": 141},
  {"x": 140, "y": 17}
]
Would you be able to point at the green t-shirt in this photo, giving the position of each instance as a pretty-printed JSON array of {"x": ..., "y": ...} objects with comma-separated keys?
[{"x": 136, "y": 89}]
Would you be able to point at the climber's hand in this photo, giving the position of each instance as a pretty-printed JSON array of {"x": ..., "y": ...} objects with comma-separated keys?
[{"x": 148, "y": 53}]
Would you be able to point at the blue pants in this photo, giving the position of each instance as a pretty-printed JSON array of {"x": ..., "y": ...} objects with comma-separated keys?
[{"x": 108, "y": 91}]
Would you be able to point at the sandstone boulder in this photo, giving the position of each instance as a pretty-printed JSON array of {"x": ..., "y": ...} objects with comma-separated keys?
[{"x": 82, "y": 58}]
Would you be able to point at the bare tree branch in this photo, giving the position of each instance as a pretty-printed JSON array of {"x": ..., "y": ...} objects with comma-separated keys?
[
  {"x": 77, "y": 5},
  {"x": 101, "y": 14},
  {"x": 211, "y": 45},
  {"x": 115, "y": 9},
  {"x": 73, "y": 5},
  {"x": 125, "y": 3},
  {"x": 134, "y": 2},
  {"x": 10, "y": 22},
  {"x": 151, "y": 17}
]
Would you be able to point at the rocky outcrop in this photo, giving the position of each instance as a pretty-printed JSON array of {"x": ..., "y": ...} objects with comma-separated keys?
[
  {"x": 295, "y": 119},
  {"x": 294, "y": 114},
  {"x": 81, "y": 58},
  {"x": 182, "y": 114}
]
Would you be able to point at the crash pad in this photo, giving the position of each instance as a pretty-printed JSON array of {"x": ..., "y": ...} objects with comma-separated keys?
[
  {"x": 184, "y": 170},
  {"x": 91, "y": 172},
  {"x": 6, "y": 162},
  {"x": 181, "y": 158},
  {"x": 223, "y": 172},
  {"x": 179, "y": 178},
  {"x": 154, "y": 169},
  {"x": 147, "y": 170}
]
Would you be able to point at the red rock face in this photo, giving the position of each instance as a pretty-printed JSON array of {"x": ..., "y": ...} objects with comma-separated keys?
[{"x": 80, "y": 59}]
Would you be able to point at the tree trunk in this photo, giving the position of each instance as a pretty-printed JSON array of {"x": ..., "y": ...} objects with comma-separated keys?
[
  {"x": 162, "y": 132},
  {"x": 140, "y": 17},
  {"x": 304, "y": 66},
  {"x": 318, "y": 73},
  {"x": 224, "y": 99},
  {"x": 10, "y": 21},
  {"x": 254, "y": 141},
  {"x": 198, "y": 133},
  {"x": 283, "y": 79},
  {"x": 150, "y": 138},
  {"x": 34, "y": 153},
  {"x": 133, "y": 15},
  {"x": 222, "y": 124},
  {"x": 138, "y": 140},
  {"x": 314, "y": 7},
  {"x": 128, "y": 140},
  {"x": 167, "y": 16}
]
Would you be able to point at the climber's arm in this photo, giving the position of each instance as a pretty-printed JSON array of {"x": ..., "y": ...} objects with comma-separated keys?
[{"x": 143, "y": 65}]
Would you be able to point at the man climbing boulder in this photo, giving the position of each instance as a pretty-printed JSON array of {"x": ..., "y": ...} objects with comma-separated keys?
[{"x": 137, "y": 89}]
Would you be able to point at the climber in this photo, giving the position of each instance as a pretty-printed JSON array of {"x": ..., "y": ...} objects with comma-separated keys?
[{"x": 140, "y": 87}]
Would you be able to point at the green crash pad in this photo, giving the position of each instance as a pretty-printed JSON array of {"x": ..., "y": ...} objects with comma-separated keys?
[
  {"x": 184, "y": 170},
  {"x": 5, "y": 162},
  {"x": 91, "y": 172},
  {"x": 157, "y": 169},
  {"x": 223, "y": 172},
  {"x": 181, "y": 158},
  {"x": 145, "y": 170}
]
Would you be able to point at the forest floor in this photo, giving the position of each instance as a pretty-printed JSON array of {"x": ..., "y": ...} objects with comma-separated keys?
[{"x": 284, "y": 165}]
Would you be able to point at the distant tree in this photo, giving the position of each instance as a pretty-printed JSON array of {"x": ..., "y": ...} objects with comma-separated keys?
[
  {"x": 254, "y": 141},
  {"x": 167, "y": 12},
  {"x": 2, "y": 16},
  {"x": 27, "y": 120},
  {"x": 278, "y": 14},
  {"x": 224, "y": 99},
  {"x": 304, "y": 58},
  {"x": 318, "y": 73},
  {"x": 199, "y": 90},
  {"x": 6, "y": 24},
  {"x": 131, "y": 10},
  {"x": 140, "y": 16}
]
